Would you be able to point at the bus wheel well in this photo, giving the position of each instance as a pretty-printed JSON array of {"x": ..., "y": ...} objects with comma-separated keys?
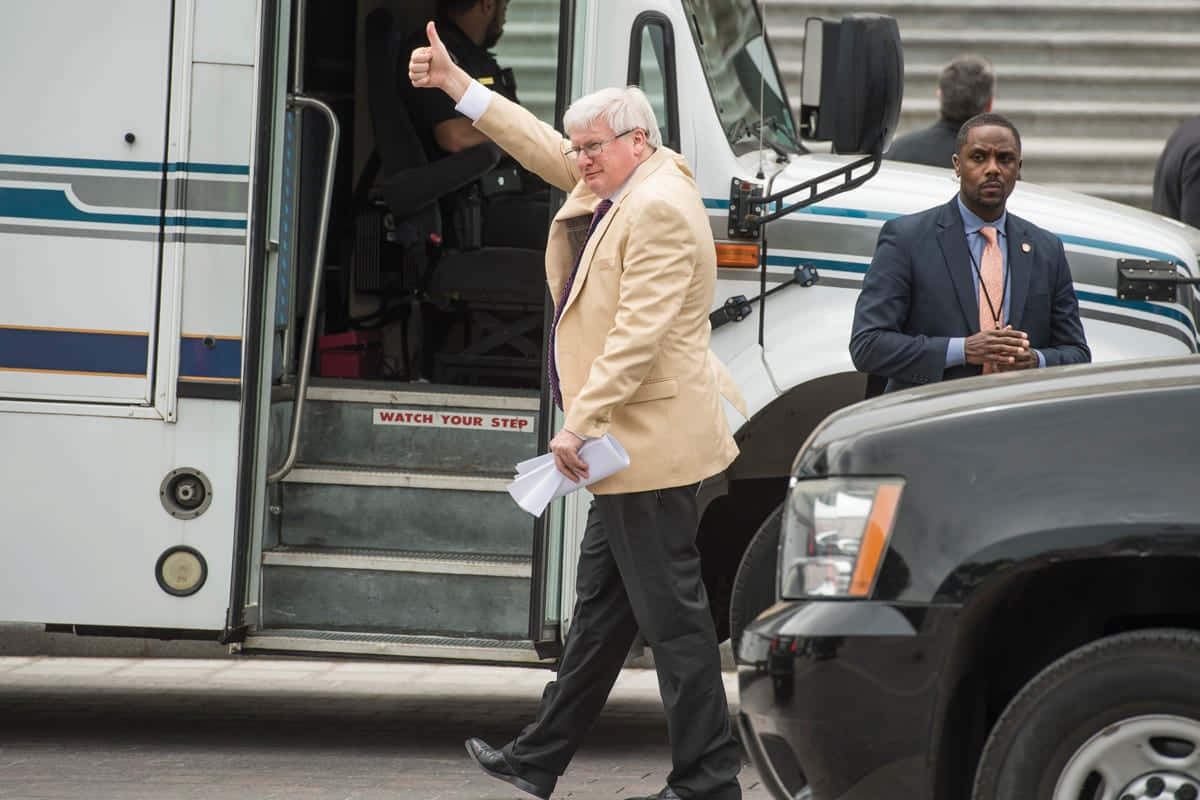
[
  {"x": 757, "y": 479},
  {"x": 1032, "y": 621},
  {"x": 728, "y": 524}
]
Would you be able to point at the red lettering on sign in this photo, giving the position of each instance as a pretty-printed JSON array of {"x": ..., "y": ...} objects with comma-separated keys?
[
  {"x": 394, "y": 416},
  {"x": 510, "y": 423}
]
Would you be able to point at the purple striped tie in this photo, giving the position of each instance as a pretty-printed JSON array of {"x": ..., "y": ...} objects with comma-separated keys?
[{"x": 555, "y": 391}]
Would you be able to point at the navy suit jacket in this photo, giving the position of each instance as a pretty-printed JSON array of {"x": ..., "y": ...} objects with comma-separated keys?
[
  {"x": 919, "y": 293},
  {"x": 933, "y": 145}
]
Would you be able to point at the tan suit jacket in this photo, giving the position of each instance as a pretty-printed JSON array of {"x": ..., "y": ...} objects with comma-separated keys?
[{"x": 632, "y": 340}]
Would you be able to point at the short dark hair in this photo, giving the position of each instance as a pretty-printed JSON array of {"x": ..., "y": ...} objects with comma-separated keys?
[
  {"x": 985, "y": 119},
  {"x": 452, "y": 8},
  {"x": 967, "y": 84}
]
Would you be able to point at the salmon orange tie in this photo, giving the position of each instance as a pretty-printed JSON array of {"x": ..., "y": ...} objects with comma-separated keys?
[{"x": 991, "y": 286}]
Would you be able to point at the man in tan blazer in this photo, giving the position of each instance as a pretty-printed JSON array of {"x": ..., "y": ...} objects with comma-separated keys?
[{"x": 631, "y": 265}]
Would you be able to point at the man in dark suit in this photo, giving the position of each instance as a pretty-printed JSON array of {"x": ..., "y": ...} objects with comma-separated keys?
[
  {"x": 966, "y": 87},
  {"x": 1177, "y": 175},
  {"x": 967, "y": 288}
]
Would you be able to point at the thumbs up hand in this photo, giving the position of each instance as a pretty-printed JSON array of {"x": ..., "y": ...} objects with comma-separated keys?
[{"x": 432, "y": 67}]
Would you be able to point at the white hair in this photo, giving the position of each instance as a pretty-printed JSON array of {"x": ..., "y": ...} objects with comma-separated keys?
[{"x": 621, "y": 109}]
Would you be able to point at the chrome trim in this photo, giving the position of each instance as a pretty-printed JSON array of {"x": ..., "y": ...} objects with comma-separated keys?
[
  {"x": 402, "y": 480},
  {"x": 314, "y": 295},
  {"x": 405, "y": 646},
  {"x": 424, "y": 398},
  {"x": 425, "y": 563}
]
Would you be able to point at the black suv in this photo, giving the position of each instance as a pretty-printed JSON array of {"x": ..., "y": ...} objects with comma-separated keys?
[{"x": 988, "y": 589}]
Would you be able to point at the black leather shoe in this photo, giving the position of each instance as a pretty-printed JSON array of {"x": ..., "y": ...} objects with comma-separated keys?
[
  {"x": 493, "y": 762},
  {"x": 666, "y": 794}
]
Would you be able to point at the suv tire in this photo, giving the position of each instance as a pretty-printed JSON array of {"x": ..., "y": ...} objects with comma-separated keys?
[
  {"x": 754, "y": 584},
  {"x": 1121, "y": 715}
]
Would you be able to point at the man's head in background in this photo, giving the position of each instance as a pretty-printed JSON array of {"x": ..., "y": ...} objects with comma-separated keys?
[
  {"x": 966, "y": 88},
  {"x": 481, "y": 20}
]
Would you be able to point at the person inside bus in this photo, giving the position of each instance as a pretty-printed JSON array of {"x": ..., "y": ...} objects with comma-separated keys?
[{"x": 469, "y": 29}]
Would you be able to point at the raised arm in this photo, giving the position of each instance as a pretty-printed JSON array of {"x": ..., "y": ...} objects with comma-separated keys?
[{"x": 537, "y": 146}]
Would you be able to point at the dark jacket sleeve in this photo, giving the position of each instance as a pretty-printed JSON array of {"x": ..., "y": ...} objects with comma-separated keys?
[
  {"x": 878, "y": 342},
  {"x": 1067, "y": 343},
  {"x": 1189, "y": 186}
]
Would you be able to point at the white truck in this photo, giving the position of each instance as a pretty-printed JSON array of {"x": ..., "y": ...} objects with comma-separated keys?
[{"x": 191, "y": 201}]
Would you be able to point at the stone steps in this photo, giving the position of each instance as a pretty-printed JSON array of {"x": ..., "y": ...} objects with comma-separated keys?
[
  {"x": 1095, "y": 87},
  {"x": 1030, "y": 16},
  {"x": 1075, "y": 118}
]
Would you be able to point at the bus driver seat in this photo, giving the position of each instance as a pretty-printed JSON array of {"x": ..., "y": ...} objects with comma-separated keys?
[{"x": 501, "y": 290}]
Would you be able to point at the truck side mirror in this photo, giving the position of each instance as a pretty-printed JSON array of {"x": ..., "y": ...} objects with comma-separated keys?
[{"x": 853, "y": 82}]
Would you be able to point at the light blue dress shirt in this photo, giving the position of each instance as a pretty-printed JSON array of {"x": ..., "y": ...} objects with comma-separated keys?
[{"x": 976, "y": 242}]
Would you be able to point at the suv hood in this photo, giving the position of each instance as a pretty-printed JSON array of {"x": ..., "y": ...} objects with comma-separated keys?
[{"x": 987, "y": 393}]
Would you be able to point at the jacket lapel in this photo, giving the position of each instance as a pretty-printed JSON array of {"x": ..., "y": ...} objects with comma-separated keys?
[
  {"x": 566, "y": 236},
  {"x": 952, "y": 238},
  {"x": 1020, "y": 268},
  {"x": 660, "y": 157}
]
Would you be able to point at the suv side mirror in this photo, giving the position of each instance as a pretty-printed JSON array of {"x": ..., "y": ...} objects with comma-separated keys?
[{"x": 853, "y": 82}]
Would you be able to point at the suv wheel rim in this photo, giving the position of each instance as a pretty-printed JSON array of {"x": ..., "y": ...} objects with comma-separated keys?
[{"x": 1151, "y": 756}]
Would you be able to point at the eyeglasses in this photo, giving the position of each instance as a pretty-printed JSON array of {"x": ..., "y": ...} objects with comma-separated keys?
[{"x": 594, "y": 149}]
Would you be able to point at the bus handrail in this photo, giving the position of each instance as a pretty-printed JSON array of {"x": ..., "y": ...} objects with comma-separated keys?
[{"x": 314, "y": 295}]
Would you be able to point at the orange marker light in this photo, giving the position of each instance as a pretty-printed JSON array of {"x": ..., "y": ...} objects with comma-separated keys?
[
  {"x": 874, "y": 542},
  {"x": 737, "y": 255}
]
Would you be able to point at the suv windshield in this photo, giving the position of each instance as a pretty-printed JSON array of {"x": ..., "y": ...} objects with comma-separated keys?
[{"x": 740, "y": 68}]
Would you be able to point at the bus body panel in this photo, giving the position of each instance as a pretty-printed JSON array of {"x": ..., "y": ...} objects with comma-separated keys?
[
  {"x": 84, "y": 526},
  {"x": 146, "y": 242}
]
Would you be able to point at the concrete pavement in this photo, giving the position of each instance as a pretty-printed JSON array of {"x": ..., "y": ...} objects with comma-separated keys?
[{"x": 274, "y": 728}]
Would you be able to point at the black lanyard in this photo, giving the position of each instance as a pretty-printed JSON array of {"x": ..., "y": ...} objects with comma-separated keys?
[{"x": 997, "y": 313}]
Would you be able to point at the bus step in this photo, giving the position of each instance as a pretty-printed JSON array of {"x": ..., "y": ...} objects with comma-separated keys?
[
  {"x": 487, "y": 598},
  {"x": 403, "y": 428},
  {"x": 380, "y": 510},
  {"x": 445, "y": 648},
  {"x": 400, "y": 561}
]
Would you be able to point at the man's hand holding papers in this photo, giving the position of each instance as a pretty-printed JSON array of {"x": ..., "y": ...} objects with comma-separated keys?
[
  {"x": 565, "y": 447},
  {"x": 538, "y": 480}
]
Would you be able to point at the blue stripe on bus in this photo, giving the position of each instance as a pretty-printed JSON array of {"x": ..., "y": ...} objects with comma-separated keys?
[
  {"x": 113, "y": 353},
  {"x": 819, "y": 263},
  {"x": 222, "y": 360},
  {"x": 884, "y": 216},
  {"x": 74, "y": 351},
  {"x": 211, "y": 169},
  {"x": 133, "y": 166},
  {"x": 1092, "y": 297},
  {"x": 54, "y": 204}
]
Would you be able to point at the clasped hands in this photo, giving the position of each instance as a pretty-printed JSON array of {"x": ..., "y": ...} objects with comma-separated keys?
[{"x": 1004, "y": 348}]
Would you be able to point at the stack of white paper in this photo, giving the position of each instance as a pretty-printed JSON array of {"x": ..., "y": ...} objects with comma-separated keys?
[{"x": 538, "y": 481}]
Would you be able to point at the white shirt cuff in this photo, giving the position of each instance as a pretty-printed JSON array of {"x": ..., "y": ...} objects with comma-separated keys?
[{"x": 475, "y": 101}]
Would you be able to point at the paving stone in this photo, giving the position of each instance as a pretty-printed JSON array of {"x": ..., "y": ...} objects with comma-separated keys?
[{"x": 289, "y": 729}]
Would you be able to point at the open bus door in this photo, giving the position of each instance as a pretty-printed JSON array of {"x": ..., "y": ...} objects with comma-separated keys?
[{"x": 379, "y": 521}]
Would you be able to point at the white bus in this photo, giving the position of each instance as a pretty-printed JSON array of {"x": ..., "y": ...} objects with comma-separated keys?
[{"x": 198, "y": 444}]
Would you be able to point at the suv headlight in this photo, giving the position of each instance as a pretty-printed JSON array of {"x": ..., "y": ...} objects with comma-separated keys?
[{"x": 835, "y": 532}]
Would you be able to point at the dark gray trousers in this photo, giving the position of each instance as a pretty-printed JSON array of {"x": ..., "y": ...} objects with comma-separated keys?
[{"x": 639, "y": 569}]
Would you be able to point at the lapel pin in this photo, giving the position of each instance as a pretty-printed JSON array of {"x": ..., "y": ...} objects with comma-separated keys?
[{"x": 1026, "y": 247}]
